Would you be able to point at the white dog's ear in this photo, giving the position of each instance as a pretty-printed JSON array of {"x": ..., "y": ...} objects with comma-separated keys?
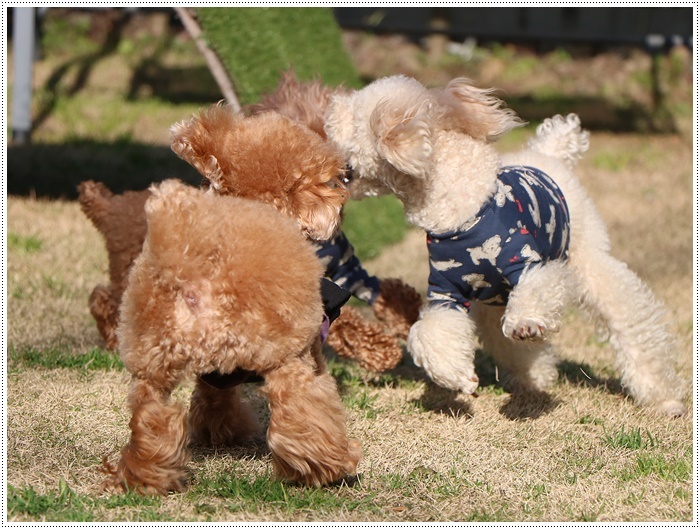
[
  {"x": 404, "y": 137},
  {"x": 477, "y": 111}
]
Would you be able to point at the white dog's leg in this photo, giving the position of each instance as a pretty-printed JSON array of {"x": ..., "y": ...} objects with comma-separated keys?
[
  {"x": 527, "y": 366},
  {"x": 638, "y": 331},
  {"x": 443, "y": 343},
  {"x": 535, "y": 305}
]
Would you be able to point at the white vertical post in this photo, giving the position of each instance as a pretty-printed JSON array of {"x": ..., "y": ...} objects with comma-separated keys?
[{"x": 23, "y": 39}]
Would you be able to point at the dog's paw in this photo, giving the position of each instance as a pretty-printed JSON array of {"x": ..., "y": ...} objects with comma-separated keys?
[
  {"x": 527, "y": 329},
  {"x": 442, "y": 342},
  {"x": 671, "y": 408}
]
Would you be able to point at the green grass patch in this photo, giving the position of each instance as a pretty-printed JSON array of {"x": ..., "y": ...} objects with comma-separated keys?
[
  {"x": 264, "y": 492},
  {"x": 632, "y": 439},
  {"x": 23, "y": 243},
  {"x": 64, "y": 505},
  {"x": 588, "y": 419},
  {"x": 373, "y": 223},
  {"x": 68, "y": 36},
  {"x": 362, "y": 401},
  {"x": 650, "y": 464},
  {"x": 62, "y": 358},
  {"x": 257, "y": 44}
]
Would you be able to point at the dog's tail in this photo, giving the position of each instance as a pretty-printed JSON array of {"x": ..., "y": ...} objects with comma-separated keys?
[
  {"x": 562, "y": 138},
  {"x": 94, "y": 200}
]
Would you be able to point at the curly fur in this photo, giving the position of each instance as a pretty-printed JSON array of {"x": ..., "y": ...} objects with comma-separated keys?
[
  {"x": 432, "y": 149},
  {"x": 294, "y": 169},
  {"x": 305, "y": 102},
  {"x": 304, "y": 185},
  {"x": 225, "y": 283},
  {"x": 121, "y": 221},
  {"x": 375, "y": 346},
  {"x": 205, "y": 138}
]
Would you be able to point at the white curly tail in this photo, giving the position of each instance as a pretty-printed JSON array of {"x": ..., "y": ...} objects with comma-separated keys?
[{"x": 561, "y": 138}]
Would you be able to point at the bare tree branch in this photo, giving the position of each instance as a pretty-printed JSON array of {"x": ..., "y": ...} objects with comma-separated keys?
[{"x": 215, "y": 66}]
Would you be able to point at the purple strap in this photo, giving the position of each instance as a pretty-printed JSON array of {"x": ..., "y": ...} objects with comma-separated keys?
[{"x": 325, "y": 328}]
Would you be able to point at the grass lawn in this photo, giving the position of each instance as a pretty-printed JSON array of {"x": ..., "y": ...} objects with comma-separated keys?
[{"x": 580, "y": 453}]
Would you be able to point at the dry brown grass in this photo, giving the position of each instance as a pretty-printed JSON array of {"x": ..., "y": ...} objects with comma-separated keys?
[
  {"x": 563, "y": 456},
  {"x": 427, "y": 456}
]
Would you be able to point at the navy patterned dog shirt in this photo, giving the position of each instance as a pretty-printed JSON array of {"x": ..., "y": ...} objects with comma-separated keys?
[
  {"x": 525, "y": 222},
  {"x": 345, "y": 269}
]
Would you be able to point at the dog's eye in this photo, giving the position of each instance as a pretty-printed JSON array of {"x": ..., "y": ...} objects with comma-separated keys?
[{"x": 347, "y": 175}]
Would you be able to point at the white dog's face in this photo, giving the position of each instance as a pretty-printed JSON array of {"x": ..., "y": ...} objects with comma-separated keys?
[
  {"x": 366, "y": 125},
  {"x": 388, "y": 130}
]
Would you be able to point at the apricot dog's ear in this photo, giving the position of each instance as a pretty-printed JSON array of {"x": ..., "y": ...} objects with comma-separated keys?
[
  {"x": 404, "y": 136},
  {"x": 195, "y": 139},
  {"x": 317, "y": 208},
  {"x": 476, "y": 111}
]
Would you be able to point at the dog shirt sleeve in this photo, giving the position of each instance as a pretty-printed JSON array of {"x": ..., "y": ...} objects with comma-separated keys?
[
  {"x": 345, "y": 269},
  {"x": 442, "y": 291}
]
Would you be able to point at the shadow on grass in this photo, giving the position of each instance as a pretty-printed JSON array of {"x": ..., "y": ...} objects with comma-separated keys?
[
  {"x": 579, "y": 374},
  {"x": 255, "y": 448},
  {"x": 596, "y": 113},
  {"x": 519, "y": 406},
  {"x": 523, "y": 406},
  {"x": 54, "y": 170}
]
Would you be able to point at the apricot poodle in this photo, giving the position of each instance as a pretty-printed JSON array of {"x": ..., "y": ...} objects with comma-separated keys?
[{"x": 226, "y": 285}]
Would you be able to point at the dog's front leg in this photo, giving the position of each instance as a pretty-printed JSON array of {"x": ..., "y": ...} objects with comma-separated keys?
[
  {"x": 443, "y": 342},
  {"x": 536, "y": 304}
]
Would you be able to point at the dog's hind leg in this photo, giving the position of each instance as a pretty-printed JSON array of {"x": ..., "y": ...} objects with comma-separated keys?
[
  {"x": 307, "y": 435},
  {"x": 219, "y": 416},
  {"x": 154, "y": 459},
  {"x": 526, "y": 365},
  {"x": 638, "y": 331}
]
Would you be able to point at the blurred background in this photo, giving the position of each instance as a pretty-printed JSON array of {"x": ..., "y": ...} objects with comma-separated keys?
[{"x": 100, "y": 87}]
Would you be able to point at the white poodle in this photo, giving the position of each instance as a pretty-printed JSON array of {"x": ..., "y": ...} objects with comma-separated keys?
[{"x": 512, "y": 240}]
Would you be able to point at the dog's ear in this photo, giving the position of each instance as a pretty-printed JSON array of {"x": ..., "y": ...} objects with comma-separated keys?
[
  {"x": 477, "y": 111},
  {"x": 317, "y": 208},
  {"x": 404, "y": 136},
  {"x": 198, "y": 139}
]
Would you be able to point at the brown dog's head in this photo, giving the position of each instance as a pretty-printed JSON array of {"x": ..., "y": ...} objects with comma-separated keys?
[
  {"x": 267, "y": 157},
  {"x": 303, "y": 101}
]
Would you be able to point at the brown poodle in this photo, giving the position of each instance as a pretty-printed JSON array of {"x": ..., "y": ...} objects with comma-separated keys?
[
  {"x": 227, "y": 285},
  {"x": 305, "y": 102},
  {"x": 394, "y": 303},
  {"x": 122, "y": 222}
]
